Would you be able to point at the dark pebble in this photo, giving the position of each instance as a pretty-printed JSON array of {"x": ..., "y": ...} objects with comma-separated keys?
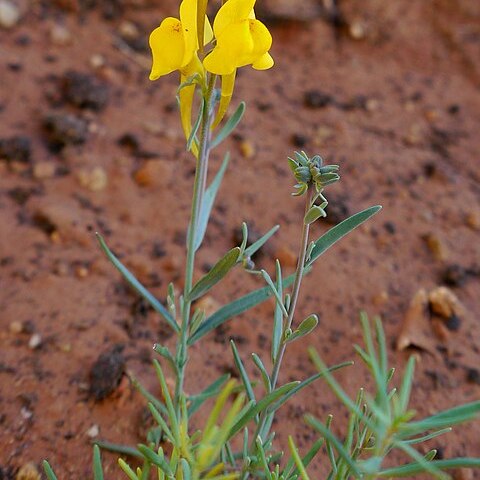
[
  {"x": 453, "y": 109},
  {"x": 455, "y": 276},
  {"x": 64, "y": 129},
  {"x": 299, "y": 140},
  {"x": 390, "y": 227},
  {"x": 317, "y": 99},
  {"x": 106, "y": 373},
  {"x": 453, "y": 323},
  {"x": 429, "y": 169},
  {"x": 84, "y": 91},
  {"x": 16, "y": 149},
  {"x": 473, "y": 375}
]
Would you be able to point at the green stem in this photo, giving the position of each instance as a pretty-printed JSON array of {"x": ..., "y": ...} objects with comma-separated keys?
[
  {"x": 199, "y": 187},
  {"x": 291, "y": 314}
]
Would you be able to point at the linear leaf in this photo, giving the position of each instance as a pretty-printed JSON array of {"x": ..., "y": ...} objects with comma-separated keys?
[
  {"x": 218, "y": 271},
  {"x": 277, "y": 333},
  {"x": 129, "y": 277},
  {"x": 97, "y": 464},
  {"x": 415, "y": 468},
  {"x": 196, "y": 401},
  {"x": 339, "y": 231},
  {"x": 230, "y": 125},
  {"x": 243, "y": 373},
  {"x": 297, "y": 459},
  {"x": 48, "y": 471},
  {"x": 254, "y": 247},
  {"x": 208, "y": 201},
  {"x": 234, "y": 308}
]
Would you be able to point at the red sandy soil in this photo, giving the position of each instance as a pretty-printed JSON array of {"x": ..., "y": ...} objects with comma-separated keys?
[{"x": 396, "y": 90}]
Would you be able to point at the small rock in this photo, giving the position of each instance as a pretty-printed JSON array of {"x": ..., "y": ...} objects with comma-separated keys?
[
  {"x": 16, "y": 327},
  {"x": 455, "y": 275},
  {"x": 247, "y": 149},
  {"x": 317, "y": 99},
  {"x": 35, "y": 341},
  {"x": 128, "y": 30},
  {"x": 65, "y": 129},
  {"x": 286, "y": 256},
  {"x": 28, "y": 472},
  {"x": 60, "y": 35},
  {"x": 81, "y": 272},
  {"x": 84, "y": 91},
  {"x": 322, "y": 135},
  {"x": 9, "y": 14},
  {"x": 445, "y": 303},
  {"x": 357, "y": 30},
  {"x": 43, "y": 170},
  {"x": 380, "y": 298},
  {"x": 93, "y": 431},
  {"x": 414, "y": 135},
  {"x": 472, "y": 220},
  {"x": 106, "y": 373},
  {"x": 97, "y": 61},
  {"x": 153, "y": 173},
  {"x": 299, "y": 140},
  {"x": 473, "y": 375},
  {"x": 15, "y": 149},
  {"x": 26, "y": 413},
  {"x": 436, "y": 246},
  {"x": 94, "y": 180}
]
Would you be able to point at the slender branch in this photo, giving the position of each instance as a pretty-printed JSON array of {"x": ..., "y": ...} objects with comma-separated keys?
[{"x": 199, "y": 187}]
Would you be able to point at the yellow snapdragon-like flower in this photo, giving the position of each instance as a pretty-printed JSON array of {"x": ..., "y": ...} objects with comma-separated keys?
[
  {"x": 174, "y": 46},
  {"x": 241, "y": 40}
]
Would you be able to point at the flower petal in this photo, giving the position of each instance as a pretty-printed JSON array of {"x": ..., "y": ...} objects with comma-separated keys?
[
  {"x": 188, "y": 17},
  {"x": 232, "y": 11},
  {"x": 228, "y": 83},
  {"x": 168, "y": 47},
  {"x": 233, "y": 46},
  {"x": 262, "y": 39},
  {"x": 264, "y": 62}
]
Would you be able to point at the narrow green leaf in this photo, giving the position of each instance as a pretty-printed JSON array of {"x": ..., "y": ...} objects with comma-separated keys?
[
  {"x": 196, "y": 126},
  {"x": 149, "y": 396},
  {"x": 277, "y": 333},
  {"x": 424, "y": 438},
  {"x": 263, "y": 372},
  {"x": 97, "y": 464},
  {"x": 127, "y": 470},
  {"x": 230, "y": 125},
  {"x": 305, "y": 383},
  {"x": 156, "y": 305},
  {"x": 235, "y": 308},
  {"x": 330, "y": 437},
  {"x": 414, "y": 468},
  {"x": 275, "y": 292},
  {"x": 218, "y": 271},
  {"x": 307, "y": 326},
  {"x": 161, "y": 421},
  {"x": 117, "y": 448},
  {"x": 406, "y": 387},
  {"x": 165, "y": 353},
  {"x": 254, "y": 247},
  {"x": 48, "y": 471},
  {"x": 339, "y": 231},
  {"x": 262, "y": 405},
  {"x": 297, "y": 459},
  {"x": 156, "y": 459},
  {"x": 208, "y": 201},
  {"x": 243, "y": 373},
  {"x": 196, "y": 401},
  {"x": 314, "y": 214},
  {"x": 421, "y": 460}
]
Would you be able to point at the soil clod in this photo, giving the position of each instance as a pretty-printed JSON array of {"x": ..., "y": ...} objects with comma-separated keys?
[{"x": 106, "y": 373}]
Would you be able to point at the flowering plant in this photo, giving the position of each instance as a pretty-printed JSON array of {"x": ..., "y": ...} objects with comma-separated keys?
[{"x": 236, "y": 439}]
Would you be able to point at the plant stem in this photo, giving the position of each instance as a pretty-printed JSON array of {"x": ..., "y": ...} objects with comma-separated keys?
[
  {"x": 199, "y": 187},
  {"x": 291, "y": 313},
  {"x": 295, "y": 292}
]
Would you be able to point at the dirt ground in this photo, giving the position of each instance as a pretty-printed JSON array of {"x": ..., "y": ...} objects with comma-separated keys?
[{"x": 388, "y": 90}]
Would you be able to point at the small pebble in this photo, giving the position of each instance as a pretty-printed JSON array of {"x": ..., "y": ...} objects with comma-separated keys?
[
  {"x": 94, "y": 180},
  {"x": 9, "y": 14},
  {"x": 436, "y": 246},
  {"x": 380, "y": 298},
  {"x": 16, "y": 327},
  {"x": 153, "y": 173},
  {"x": 317, "y": 99},
  {"x": 472, "y": 220},
  {"x": 357, "y": 30},
  {"x": 247, "y": 149},
  {"x": 445, "y": 303},
  {"x": 286, "y": 256},
  {"x": 97, "y": 60},
  {"x": 35, "y": 341},
  {"x": 93, "y": 431},
  {"x": 82, "y": 272},
  {"x": 128, "y": 30},
  {"x": 60, "y": 35},
  {"x": 43, "y": 170},
  {"x": 322, "y": 134},
  {"x": 28, "y": 472},
  {"x": 26, "y": 413},
  {"x": 473, "y": 375}
]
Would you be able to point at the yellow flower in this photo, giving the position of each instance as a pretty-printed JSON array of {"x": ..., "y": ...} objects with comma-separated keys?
[
  {"x": 174, "y": 46},
  {"x": 240, "y": 40}
]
